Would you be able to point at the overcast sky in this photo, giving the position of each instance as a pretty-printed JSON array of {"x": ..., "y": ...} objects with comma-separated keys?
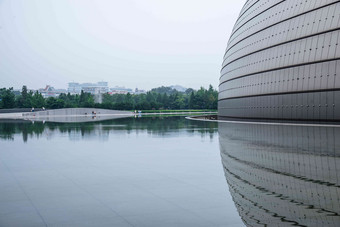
[{"x": 131, "y": 43}]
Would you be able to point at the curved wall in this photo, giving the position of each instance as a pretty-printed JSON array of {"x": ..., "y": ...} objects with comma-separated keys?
[{"x": 283, "y": 62}]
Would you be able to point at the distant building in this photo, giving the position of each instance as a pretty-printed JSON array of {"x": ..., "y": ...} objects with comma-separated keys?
[
  {"x": 74, "y": 88},
  {"x": 179, "y": 88},
  {"x": 50, "y": 91},
  {"x": 139, "y": 91},
  {"x": 17, "y": 91},
  {"x": 120, "y": 90},
  {"x": 93, "y": 88}
]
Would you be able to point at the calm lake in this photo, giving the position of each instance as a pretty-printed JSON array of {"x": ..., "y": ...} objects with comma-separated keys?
[
  {"x": 168, "y": 171},
  {"x": 148, "y": 171}
]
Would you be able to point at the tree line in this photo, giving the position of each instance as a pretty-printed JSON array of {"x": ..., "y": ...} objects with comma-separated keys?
[{"x": 156, "y": 99}]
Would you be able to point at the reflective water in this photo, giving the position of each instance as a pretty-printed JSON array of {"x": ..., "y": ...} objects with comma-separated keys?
[
  {"x": 281, "y": 175},
  {"x": 168, "y": 171},
  {"x": 162, "y": 171}
]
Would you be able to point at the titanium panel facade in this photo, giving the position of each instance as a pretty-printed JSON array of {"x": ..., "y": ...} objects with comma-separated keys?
[{"x": 283, "y": 62}]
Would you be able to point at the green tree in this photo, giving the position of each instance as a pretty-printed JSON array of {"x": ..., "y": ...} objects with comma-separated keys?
[
  {"x": 165, "y": 101},
  {"x": 160, "y": 98},
  {"x": 38, "y": 100},
  {"x": 24, "y": 100},
  {"x": 162, "y": 90},
  {"x": 7, "y": 98},
  {"x": 86, "y": 100}
]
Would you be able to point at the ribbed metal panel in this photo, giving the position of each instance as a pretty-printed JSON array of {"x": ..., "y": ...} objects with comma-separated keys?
[{"x": 282, "y": 62}]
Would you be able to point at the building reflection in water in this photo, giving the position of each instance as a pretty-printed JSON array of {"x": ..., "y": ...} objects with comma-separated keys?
[{"x": 281, "y": 175}]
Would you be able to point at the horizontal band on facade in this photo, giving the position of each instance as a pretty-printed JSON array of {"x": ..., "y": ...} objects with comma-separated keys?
[
  {"x": 280, "y": 68},
  {"x": 270, "y": 170},
  {"x": 247, "y": 9},
  {"x": 231, "y": 36},
  {"x": 283, "y": 93},
  {"x": 266, "y": 119},
  {"x": 229, "y": 48},
  {"x": 279, "y": 44}
]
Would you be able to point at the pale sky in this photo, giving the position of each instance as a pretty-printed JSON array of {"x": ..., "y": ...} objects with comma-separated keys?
[{"x": 131, "y": 43}]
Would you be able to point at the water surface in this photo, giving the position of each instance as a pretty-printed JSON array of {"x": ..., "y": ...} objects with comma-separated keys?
[
  {"x": 283, "y": 175},
  {"x": 168, "y": 171},
  {"x": 149, "y": 171}
]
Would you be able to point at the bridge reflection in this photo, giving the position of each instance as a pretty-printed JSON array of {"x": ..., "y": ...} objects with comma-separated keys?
[{"x": 281, "y": 175}]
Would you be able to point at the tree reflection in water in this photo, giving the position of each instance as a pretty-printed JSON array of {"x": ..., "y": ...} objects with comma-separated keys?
[{"x": 153, "y": 125}]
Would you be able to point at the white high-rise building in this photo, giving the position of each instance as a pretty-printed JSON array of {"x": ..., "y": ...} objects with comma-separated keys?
[{"x": 93, "y": 88}]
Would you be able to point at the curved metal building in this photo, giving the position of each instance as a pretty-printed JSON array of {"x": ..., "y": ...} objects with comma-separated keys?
[{"x": 283, "y": 62}]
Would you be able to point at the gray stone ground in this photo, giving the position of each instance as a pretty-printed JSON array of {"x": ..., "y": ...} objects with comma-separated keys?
[{"x": 69, "y": 115}]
